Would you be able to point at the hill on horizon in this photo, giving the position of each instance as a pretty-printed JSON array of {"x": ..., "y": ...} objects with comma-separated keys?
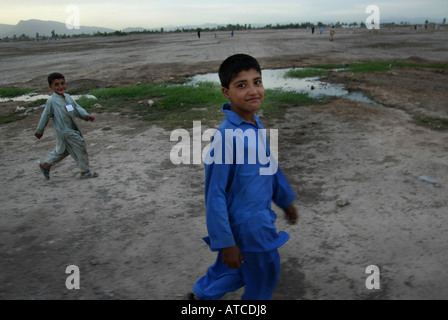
[{"x": 44, "y": 28}]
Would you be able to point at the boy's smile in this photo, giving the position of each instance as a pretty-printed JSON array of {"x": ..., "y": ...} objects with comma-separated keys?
[
  {"x": 58, "y": 86},
  {"x": 246, "y": 93}
]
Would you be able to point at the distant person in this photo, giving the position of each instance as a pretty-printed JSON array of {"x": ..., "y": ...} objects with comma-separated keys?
[
  {"x": 321, "y": 29},
  {"x": 199, "y": 34},
  {"x": 240, "y": 220},
  {"x": 232, "y": 33},
  {"x": 332, "y": 32},
  {"x": 69, "y": 141},
  {"x": 312, "y": 30}
]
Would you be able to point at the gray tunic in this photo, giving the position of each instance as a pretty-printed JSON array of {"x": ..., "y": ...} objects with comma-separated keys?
[{"x": 69, "y": 139}]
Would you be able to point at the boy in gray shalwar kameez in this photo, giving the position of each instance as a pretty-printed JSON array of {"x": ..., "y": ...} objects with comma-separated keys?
[{"x": 69, "y": 141}]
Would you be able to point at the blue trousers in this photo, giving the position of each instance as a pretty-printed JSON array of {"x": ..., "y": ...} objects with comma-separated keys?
[{"x": 259, "y": 274}]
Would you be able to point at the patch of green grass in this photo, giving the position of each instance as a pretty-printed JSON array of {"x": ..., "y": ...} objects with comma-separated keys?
[
  {"x": 10, "y": 118},
  {"x": 174, "y": 105},
  {"x": 167, "y": 97},
  {"x": 86, "y": 102},
  {"x": 322, "y": 69},
  {"x": 277, "y": 101},
  {"x": 369, "y": 66},
  {"x": 13, "y": 92},
  {"x": 434, "y": 123},
  {"x": 330, "y": 66},
  {"x": 384, "y": 66},
  {"x": 177, "y": 106}
]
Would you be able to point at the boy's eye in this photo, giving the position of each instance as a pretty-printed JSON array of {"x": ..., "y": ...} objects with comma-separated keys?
[{"x": 242, "y": 85}]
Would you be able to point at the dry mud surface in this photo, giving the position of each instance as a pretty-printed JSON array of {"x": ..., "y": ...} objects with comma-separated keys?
[{"x": 135, "y": 232}]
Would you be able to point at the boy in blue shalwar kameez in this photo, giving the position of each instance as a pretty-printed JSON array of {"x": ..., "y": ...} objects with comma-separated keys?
[{"x": 240, "y": 221}]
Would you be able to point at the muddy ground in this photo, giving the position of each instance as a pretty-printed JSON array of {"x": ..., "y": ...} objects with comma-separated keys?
[{"x": 135, "y": 232}]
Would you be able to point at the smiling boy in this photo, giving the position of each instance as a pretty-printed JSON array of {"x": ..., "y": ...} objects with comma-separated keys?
[
  {"x": 69, "y": 141},
  {"x": 240, "y": 221}
]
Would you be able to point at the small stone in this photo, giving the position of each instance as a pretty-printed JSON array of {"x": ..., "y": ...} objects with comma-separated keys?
[{"x": 342, "y": 202}]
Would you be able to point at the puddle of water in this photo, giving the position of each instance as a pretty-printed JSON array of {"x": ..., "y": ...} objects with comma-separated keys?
[
  {"x": 275, "y": 79},
  {"x": 34, "y": 97}
]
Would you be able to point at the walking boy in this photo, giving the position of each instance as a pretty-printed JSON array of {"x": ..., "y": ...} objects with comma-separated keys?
[
  {"x": 69, "y": 141},
  {"x": 240, "y": 221}
]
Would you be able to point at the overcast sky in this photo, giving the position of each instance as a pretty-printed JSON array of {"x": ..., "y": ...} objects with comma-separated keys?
[{"x": 118, "y": 15}]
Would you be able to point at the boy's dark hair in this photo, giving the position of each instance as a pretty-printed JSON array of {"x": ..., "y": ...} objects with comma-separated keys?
[
  {"x": 234, "y": 65},
  {"x": 53, "y": 76}
]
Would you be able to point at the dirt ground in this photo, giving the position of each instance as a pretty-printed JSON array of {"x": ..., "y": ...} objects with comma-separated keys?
[{"x": 135, "y": 232}]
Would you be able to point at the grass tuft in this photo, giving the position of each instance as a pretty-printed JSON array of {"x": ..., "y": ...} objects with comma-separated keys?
[
  {"x": 13, "y": 92},
  {"x": 434, "y": 123},
  {"x": 322, "y": 69}
]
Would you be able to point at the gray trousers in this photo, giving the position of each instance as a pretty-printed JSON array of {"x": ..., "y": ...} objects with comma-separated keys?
[{"x": 75, "y": 146}]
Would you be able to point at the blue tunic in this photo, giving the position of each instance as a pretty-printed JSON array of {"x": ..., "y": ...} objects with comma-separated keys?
[{"x": 237, "y": 197}]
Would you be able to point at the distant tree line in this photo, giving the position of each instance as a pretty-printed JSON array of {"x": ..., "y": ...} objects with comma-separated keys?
[{"x": 228, "y": 27}]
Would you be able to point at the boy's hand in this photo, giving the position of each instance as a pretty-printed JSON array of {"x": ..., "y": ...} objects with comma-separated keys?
[
  {"x": 38, "y": 135},
  {"x": 232, "y": 257},
  {"x": 291, "y": 214},
  {"x": 90, "y": 118}
]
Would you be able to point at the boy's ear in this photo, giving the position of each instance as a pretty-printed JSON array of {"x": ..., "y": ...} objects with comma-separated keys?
[{"x": 225, "y": 92}]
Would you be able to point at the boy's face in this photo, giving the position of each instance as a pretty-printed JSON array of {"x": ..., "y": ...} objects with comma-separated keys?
[
  {"x": 58, "y": 86},
  {"x": 246, "y": 93}
]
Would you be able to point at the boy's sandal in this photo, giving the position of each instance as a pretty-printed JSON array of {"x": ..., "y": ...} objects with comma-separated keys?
[
  {"x": 89, "y": 174},
  {"x": 45, "y": 171}
]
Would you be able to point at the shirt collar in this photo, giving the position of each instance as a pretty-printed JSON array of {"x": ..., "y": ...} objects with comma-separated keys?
[
  {"x": 62, "y": 97},
  {"x": 236, "y": 119}
]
